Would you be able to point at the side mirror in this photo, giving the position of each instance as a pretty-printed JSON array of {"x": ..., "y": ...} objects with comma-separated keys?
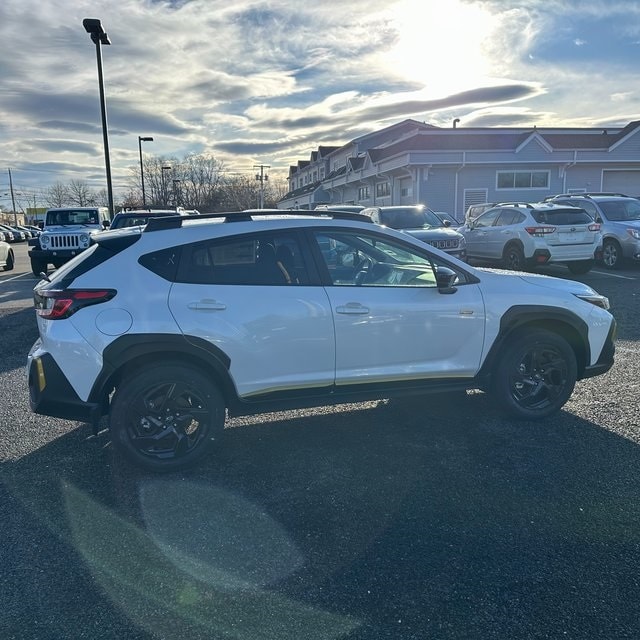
[
  {"x": 445, "y": 278},
  {"x": 106, "y": 224}
]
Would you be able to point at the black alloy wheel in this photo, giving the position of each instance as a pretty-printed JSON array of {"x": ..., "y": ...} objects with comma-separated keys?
[
  {"x": 513, "y": 258},
  {"x": 535, "y": 376},
  {"x": 166, "y": 418}
]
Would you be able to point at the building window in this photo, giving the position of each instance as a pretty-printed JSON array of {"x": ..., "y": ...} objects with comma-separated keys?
[
  {"x": 405, "y": 192},
  {"x": 363, "y": 193},
  {"x": 383, "y": 189},
  {"x": 523, "y": 180}
]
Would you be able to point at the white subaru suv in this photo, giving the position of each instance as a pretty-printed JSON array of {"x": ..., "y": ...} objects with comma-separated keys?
[{"x": 169, "y": 329}]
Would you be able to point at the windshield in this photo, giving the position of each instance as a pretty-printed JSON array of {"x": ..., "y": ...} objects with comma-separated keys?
[
  {"x": 410, "y": 218},
  {"x": 71, "y": 216},
  {"x": 621, "y": 210}
]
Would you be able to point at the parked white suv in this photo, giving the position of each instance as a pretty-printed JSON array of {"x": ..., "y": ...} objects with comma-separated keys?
[
  {"x": 167, "y": 330},
  {"x": 525, "y": 235},
  {"x": 67, "y": 231}
]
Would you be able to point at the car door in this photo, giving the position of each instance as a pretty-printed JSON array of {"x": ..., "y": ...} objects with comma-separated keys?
[
  {"x": 505, "y": 229},
  {"x": 275, "y": 327},
  {"x": 391, "y": 321},
  {"x": 478, "y": 233}
]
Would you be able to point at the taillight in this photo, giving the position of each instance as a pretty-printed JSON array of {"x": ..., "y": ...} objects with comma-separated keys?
[
  {"x": 594, "y": 227},
  {"x": 539, "y": 232},
  {"x": 56, "y": 304}
]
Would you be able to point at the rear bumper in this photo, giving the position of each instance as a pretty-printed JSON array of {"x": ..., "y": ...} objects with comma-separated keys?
[{"x": 51, "y": 394}]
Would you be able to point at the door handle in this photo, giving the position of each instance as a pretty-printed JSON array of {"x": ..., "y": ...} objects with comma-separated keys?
[
  {"x": 352, "y": 308},
  {"x": 207, "y": 305}
]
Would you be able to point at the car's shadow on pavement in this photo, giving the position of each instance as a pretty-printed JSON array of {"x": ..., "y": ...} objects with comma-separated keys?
[{"x": 396, "y": 520}]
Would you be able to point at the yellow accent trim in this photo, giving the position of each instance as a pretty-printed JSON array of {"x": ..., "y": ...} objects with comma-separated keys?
[{"x": 42, "y": 381}]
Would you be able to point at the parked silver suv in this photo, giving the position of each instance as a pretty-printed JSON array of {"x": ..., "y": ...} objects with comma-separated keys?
[
  {"x": 523, "y": 235},
  {"x": 619, "y": 218}
]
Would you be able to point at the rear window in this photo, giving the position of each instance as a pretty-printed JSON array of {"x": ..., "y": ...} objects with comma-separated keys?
[{"x": 562, "y": 216}]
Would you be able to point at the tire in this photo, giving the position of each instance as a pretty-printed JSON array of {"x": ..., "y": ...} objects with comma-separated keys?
[
  {"x": 513, "y": 258},
  {"x": 8, "y": 266},
  {"x": 38, "y": 266},
  {"x": 166, "y": 417},
  {"x": 611, "y": 254},
  {"x": 580, "y": 267},
  {"x": 535, "y": 375}
]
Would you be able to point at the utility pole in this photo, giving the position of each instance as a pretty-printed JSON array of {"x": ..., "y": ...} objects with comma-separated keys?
[
  {"x": 262, "y": 177},
  {"x": 13, "y": 200}
]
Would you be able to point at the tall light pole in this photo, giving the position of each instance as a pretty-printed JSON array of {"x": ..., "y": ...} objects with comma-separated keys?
[
  {"x": 93, "y": 27},
  {"x": 164, "y": 186},
  {"x": 142, "y": 139}
]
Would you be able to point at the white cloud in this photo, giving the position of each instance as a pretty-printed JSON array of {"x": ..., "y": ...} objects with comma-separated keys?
[{"x": 255, "y": 81}]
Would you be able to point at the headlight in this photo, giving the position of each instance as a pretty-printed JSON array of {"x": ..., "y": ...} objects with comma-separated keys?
[
  {"x": 594, "y": 298},
  {"x": 634, "y": 233},
  {"x": 462, "y": 241},
  {"x": 44, "y": 239},
  {"x": 83, "y": 241}
]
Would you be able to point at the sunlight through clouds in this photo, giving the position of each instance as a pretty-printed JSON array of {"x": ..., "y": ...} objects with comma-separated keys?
[{"x": 441, "y": 44}]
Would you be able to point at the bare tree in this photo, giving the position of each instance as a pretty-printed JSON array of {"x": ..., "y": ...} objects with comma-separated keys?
[
  {"x": 275, "y": 191},
  {"x": 57, "y": 195},
  {"x": 80, "y": 194},
  {"x": 240, "y": 192}
]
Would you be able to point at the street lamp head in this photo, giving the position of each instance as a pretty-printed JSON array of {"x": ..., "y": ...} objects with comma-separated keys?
[{"x": 93, "y": 26}]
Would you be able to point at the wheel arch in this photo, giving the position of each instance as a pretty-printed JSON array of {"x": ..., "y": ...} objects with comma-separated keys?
[
  {"x": 131, "y": 353},
  {"x": 559, "y": 321}
]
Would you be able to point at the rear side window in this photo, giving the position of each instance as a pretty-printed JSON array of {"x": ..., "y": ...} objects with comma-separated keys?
[
  {"x": 256, "y": 259},
  {"x": 562, "y": 217},
  {"x": 163, "y": 263},
  {"x": 508, "y": 217}
]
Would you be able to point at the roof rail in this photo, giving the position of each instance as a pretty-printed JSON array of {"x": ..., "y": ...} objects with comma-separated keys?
[
  {"x": 175, "y": 222},
  {"x": 589, "y": 194},
  {"x": 515, "y": 204}
]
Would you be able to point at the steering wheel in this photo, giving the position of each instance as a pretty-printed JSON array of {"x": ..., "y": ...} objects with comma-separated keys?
[{"x": 363, "y": 270}]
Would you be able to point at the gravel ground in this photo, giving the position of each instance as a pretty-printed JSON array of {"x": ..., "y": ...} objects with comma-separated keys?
[{"x": 388, "y": 520}]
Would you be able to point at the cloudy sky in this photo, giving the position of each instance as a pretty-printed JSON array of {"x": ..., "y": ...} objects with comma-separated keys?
[{"x": 268, "y": 81}]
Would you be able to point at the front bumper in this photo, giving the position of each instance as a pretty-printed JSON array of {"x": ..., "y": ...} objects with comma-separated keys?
[
  {"x": 51, "y": 394},
  {"x": 58, "y": 254},
  {"x": 605, "y": 361}
]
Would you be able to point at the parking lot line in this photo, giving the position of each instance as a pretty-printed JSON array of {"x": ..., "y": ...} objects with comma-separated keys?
[
  {"x": 613, "y": 275},
  {"x": 22, "y": 275}
]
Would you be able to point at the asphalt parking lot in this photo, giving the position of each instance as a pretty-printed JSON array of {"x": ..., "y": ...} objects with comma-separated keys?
[{"x": 401, "y": 520}]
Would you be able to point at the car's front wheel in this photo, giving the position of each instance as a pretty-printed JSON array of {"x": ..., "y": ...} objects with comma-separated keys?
[
  {"x": 611, "y": 254},
  {"x": 38, "y": 266},
  {"x": 166, "y": 417},
  {"x": 535, "y": 375}
]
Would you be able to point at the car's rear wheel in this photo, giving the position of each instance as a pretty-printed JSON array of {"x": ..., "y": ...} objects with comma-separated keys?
[
  {"x": 8, "y": 265},
  {"x": 580, "y": 266},
  {"x": 611, "y": 254},
  {"x": 167, "y": 417},
  {"x": 513, "y": 258},
  {"x": 535, "y": 375}
]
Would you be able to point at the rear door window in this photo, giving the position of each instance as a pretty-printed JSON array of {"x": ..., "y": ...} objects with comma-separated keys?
[{"x": 562, "y": 217}]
